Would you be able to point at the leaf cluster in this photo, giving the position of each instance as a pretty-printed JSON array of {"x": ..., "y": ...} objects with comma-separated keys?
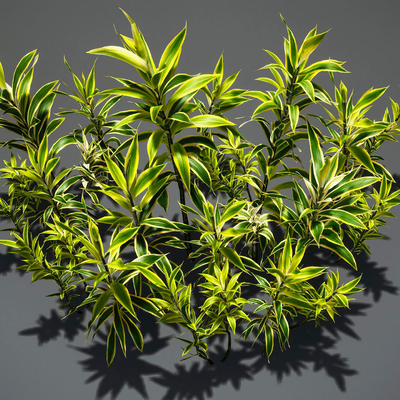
[{"x": 239, "y": 276}]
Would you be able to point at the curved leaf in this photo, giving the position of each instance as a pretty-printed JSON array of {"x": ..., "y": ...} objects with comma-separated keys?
[
  {"x": 123, "y": 55},
  {"x": 181, "y": 160}
]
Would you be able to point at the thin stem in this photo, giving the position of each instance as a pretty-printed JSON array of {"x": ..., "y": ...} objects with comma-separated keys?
[
  {"x": 306, "y": 319},
  {"x": 193, "y": 332},
  {"x": 283, "y": 120},
  {"x": 228, "y": 350}
]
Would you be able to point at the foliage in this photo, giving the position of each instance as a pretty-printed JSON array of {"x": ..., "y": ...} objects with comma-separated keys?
[{"x": 246, "y": 235}]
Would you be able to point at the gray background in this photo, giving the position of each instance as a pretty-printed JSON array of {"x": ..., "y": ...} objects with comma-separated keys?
[{"x": 45, "y": 358}]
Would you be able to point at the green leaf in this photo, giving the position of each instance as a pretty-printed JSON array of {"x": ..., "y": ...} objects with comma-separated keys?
[
  {"x": 340, "y": 250},
  {"x": 134, "y": 90},
  {"x": 161, "y": 223},
  {"x": 210, "y": 121},
  {"x": 141, "y": 47},
  {"x": 134, "y": 332},
  {"x": 141, "y": 247},
  {"x": 171, "y": 54},
  {"x": 306, "y": 274},
  {"x": 201, "y": 171},
  {"x": 145, "y": 304},
  {"x": 53, "y": 125},
  {"x": 122, "y": 295},
  {"x": 154, "y": 113},
  {"x": 116, "y": 173},
  {"x": 42, "y": 153},
  {"x": 284, "y": 328},
  {"x": 286, "y": 257},
  {"x": 146, "y": 178},
  {"x": 232, "y": 322},
  {"x": 175, "y": 81},
  {"x": 119, "y": 327},
  {"x": 61, "y": 144},
  {"x": 123, "y": 55},
  {"x": 171, "y": 318},
  {"x": 95, "y": 237},
  {"x": 182, "y": 163},
  {"x": 326, "y": 65},
  {"x": 131, "y": 164},
  {"x": 9, "y": 243},
  {"x": 191, "y": 86},
  {"x": 292, "y": 48},
  {"x": 108, "y": 105},
  {"x": 308, "y": 87},
  {"x": 316, "y": 152},
  {"x": 146, "y": 260},
  {"x": 233, "y": 257},
  {"x": 230, "y": 212},
  {"x": 278, "y": 310},
  {"x": 219, "y": 70},
  {"x": 23, "y": 93},
  {"x": 229, "y": 81},
  {"x": 350, "y": 286},
  {"x": 37, "y": 99},
  {"x": 3, "y": 84},
  {"x": 269, "y": 340},
  {"x": 362, "y": 156},
  {"x": 352, "y": 186},
  {"x": 298, "y": 301},
  {"x": 154, "y": 143},
  {"x": 234, "y": 232},
  {"x": 342, "y": 216},
  {"x": 181, "y": 117},
  {"x": 111, "y": 345},
  {"x": 293, "y": 116},
  {"x": 367, "y": 98},
  {"x": 316, "y": 229},
  {"x": 100, "y": 304},
  {"x": 19, "y": 70},
  {"x": 266, "y": 106},
  {"x": 91, "y": 82},
  {"x": 197, "y": 140},
  {"x": 152, "y": 277},
  {"x": 309, "y": 45},
  {"x": 121, "y": 238},
  {"x": 118, "y": 199}
]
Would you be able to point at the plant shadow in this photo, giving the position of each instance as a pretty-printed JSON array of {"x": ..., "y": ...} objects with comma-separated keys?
[
  {"x": 129, "y": 371},
  {"x": 310, "y": 348}
]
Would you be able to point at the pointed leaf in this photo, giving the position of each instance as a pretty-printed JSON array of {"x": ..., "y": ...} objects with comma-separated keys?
[
  {"x": 122, "y": 54},
  {"x": 182, "y": 163},
  {"x": 122, "y": 295}
]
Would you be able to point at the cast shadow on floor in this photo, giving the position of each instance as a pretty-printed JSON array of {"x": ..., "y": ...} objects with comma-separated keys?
[{"x": 310, "y": 349}]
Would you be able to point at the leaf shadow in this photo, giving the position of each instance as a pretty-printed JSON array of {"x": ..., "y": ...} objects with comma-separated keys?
[
  {"x": 52, "y": 327},
  {"x": 311, "y": 348},
  {"x": 9, "y": 262},
  {"x": 129, "y": 371}
]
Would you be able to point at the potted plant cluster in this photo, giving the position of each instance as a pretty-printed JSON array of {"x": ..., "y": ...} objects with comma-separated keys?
[{"x": 101, "y": 233}]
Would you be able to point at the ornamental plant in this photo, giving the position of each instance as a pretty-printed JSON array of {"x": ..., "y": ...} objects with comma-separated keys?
[{"x": 250, "y": 212}]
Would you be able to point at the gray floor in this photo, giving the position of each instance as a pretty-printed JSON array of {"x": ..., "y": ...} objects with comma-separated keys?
[{"x": 46, "y": 358}]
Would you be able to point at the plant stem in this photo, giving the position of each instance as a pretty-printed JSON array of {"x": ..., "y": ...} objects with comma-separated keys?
[
  {"x": 306, "y": 319},
  {"x": 193, "y": 333},
  {"x": 228, "y": 350},
  {"x": 283, "y": 120}
]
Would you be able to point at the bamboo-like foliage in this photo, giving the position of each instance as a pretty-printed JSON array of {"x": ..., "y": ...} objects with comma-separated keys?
[{"x": 239, "y": 276}]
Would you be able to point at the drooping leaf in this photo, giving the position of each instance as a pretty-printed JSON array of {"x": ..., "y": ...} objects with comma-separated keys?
[
  {"x": 122, "y": 295},
  {"x": 182, "y": 163},
  {"x": 123, "y": 55}
]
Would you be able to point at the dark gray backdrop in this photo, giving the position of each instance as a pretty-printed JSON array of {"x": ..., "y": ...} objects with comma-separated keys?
[{"x": 358, "y": 358}]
